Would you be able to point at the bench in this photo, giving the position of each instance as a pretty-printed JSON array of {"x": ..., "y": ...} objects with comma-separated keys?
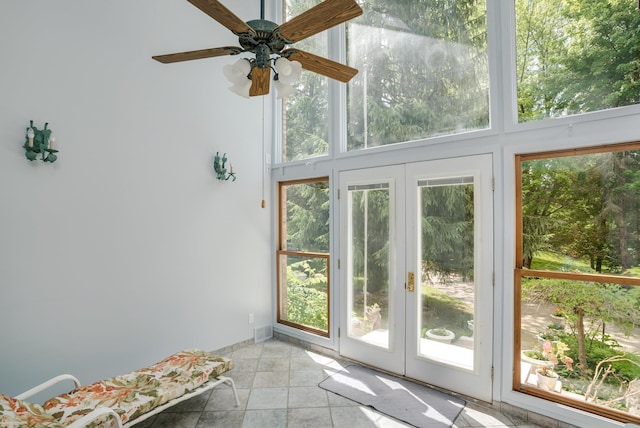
[{"x": 120, "y": 401}]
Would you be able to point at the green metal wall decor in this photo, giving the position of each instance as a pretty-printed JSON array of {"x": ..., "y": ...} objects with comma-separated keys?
[
  {"x": 221, "y": 170},
  {"x": 40, "y": 141}
]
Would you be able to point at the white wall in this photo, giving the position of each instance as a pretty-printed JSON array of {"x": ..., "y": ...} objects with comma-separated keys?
[{"x": 127, "y": 248}]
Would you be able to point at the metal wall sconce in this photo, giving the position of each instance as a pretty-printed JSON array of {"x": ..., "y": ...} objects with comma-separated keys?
[
  {"x": 40, "y": 141},
  {"x": 221, "y": 170}
]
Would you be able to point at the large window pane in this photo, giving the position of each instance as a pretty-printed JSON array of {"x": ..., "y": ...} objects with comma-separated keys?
[
  {"x": 303, "y": 255},
  {"x": 423, "y": 71},
  {"x": 576, "y": 56},
  {"x": 305, "y": 122},
  {"x": 578, "y": 277},
  {"x": 582, "y": 213}
]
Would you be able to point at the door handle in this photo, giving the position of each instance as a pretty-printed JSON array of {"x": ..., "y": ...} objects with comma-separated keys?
[{"x": 411, "y": 282}]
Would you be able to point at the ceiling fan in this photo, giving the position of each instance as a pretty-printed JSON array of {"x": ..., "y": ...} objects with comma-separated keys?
[{"x": 269, "y": 41}]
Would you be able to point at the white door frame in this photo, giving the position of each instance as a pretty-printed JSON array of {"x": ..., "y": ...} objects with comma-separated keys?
[
  {"x": 403, "y": 339},
  {"x": 390, "y": 358}
]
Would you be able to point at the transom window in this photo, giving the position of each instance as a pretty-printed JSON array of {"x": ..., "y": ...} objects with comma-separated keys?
[
  {"x": 576, "y": 56},
  {"x": 423, "y": 71},
  {"x": 305, "y": 117}
]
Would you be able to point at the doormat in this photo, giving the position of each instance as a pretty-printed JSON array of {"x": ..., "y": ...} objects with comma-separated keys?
[{"x": 401, "y": 399}]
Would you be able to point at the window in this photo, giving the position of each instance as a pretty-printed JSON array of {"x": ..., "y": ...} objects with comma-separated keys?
[
  {"x": 303, "y": 255},
  {"x": 577, "y": 278},
  {"x": 423, "y": 71},
  {"x": 305, "y": 119},
  {"x": 576, "y": 56}
]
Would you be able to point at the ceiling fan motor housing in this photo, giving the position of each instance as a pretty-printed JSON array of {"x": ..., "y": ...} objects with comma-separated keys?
[{"x": 264, "y": 42}]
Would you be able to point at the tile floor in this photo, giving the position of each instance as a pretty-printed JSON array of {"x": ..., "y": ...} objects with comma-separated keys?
[{"x": 277, "y": 383}]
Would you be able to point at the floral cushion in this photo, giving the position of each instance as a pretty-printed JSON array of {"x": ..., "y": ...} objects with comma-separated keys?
[
  {"x": 136, "y": 393},
  {"x": 18, "y": 414}
]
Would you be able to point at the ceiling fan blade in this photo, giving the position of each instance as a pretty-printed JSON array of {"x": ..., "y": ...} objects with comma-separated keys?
[
  {"x": 319, "y": 18},
  {"x": 199, "y": 54},
  {"x": 224, "y": 16},
  {"x": 321, "y": 65},
  {"x": 260, "y": 79}
]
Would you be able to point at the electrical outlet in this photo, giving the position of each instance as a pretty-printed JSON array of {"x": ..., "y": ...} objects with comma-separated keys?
[{"x": 251, "y": 320}]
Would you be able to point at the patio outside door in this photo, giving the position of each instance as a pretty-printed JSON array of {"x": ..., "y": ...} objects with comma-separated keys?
[{"x": 417, "y": 261}]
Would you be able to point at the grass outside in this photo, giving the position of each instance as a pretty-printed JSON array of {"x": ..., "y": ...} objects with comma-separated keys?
[
  {"x": 546, "y": 260},
  {"x": 440, "y": 310},
  {"x": 558, "y": 263}
]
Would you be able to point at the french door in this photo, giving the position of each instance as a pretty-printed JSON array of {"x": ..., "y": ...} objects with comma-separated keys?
[{"x": 417, "y": 271}]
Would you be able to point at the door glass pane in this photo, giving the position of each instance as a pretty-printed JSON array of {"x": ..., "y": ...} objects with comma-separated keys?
[
  {"x": 368, "y": 282},
  {"x": 423, "y": 71},
  {"x": 447, "y": 288}
]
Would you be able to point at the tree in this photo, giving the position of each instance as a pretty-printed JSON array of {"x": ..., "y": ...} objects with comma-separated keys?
[
  {"x": 423, "y": 71},
  {"x": 306, "y": 112},
  {"x": 583, "y": 206},
  {"x": 540, "y": 41},
  {"x": 448, "y": 231},
  {"x": 547, "y": 186},
  {"x": 581, "y": 300},
  {"x": 307, "y": 222},
  {"x": 576, "y": 56}
]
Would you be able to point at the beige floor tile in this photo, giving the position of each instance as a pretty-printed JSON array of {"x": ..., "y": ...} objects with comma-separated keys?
[{"x": 277, "y": 385}]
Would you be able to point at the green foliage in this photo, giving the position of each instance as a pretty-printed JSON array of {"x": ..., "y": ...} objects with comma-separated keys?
[
  {"x": 599, "y": 349},
  {"x": 634, "y": 296},
  {"x": 306, "y": 112},
  {"x": 307, "y": 302},
  {"x": 583, "y": 207},
  {"x": 576, "y": 56},
  {"x": 423, "y": 71},
  {"x": 604, "y": 302},
  {"x": 307, "y": 216},
  {"x": 448, "y": 232},
  {"x": 581, "y": 301}
]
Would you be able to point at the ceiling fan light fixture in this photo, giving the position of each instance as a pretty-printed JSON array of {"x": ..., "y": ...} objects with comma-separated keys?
[
  {"x": 284, "y": 89},
  {"x": 287, "y": 71},
  {"x": 238, "y": 72},
  {"x": 241, "y": 89}
]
